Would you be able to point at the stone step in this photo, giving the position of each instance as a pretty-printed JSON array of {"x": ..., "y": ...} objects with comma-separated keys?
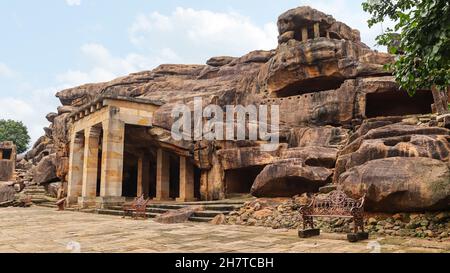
[
  {"x": 223, "y": 208},
  {"x": 34, "y": 187},
  {"x": 48, "y": 205},
  {"x": 200, "y": 219},
  {"x": 35, "y": 192},
  {"x": 120, "y": 213},
  {"x": 38, "y": 200},
  {"x": 150, "y": 209},
  {"x": 209, "y": 213},
  {"x": 163, "y": 208},
  {"x": 44, "y": 197}
]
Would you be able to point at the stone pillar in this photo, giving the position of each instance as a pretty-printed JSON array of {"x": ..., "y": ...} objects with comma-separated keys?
[
  {"x": 304, "y": 34},
  {"x": 90, "y": 168},
  {"x": 316, "y": 30},
  {"x": 75, "y": 176},
  {"x": 112, "y": 160},
  {"x": 186, "y": 180},
  {"x": 162, "y": 176},
  {"x": 143, "y": 177}
]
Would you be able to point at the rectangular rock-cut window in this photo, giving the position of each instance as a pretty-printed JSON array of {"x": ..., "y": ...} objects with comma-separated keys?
[
  {"x": 7, "y": 153},
  {"x": 398, "y": 103}
]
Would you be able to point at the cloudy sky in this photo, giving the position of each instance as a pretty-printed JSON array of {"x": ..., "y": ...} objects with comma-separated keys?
[{"x": 49, "y": 45}]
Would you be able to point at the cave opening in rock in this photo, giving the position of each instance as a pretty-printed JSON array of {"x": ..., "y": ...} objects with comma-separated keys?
[
  {"x": 310, "y": 86},
  {"x": 99, "y": 163},
  {"x": 197, "y": 183},
  {"x": 6, "y": 154},
  {"x": 398, "y": 103},
  {"x": 290, "y": 186},
  {"x": 139, "y": 163},
  {"x": 240, "y": 181},
  {"x": 129, "y": 184}
]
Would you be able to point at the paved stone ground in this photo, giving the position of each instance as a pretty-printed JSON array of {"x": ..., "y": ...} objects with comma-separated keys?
[{"x": 45, "y": 230}]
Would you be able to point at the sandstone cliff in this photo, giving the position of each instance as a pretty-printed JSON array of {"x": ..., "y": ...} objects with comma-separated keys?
[{"x": 343, "y": 120}]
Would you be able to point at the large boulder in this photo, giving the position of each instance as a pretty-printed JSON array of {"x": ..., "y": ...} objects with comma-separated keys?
[
  {"x": 220, "y": 61},
  {"x": 326, "y": 136},
  {"x": 45, "y": 171},
  {"x": 7, "y": 193},
  {"x": 400, "y": 184},
  {"x": 293, "y": 20},
  {"x": 289, "y": 177},
  {"x": 178, "y": 216},
  {"x": 300, "y": 170}
]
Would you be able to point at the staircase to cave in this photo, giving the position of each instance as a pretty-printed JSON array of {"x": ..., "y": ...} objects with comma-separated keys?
[
  {"x": 39, "y": 196},
  {"x": 211, "y": 209}
]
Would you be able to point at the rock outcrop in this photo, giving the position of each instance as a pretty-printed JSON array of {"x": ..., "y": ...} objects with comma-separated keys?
[
  {"x": 300, "y": 170},
  {"x": 45, "y": 170},
  {"x": 343, "y": 119},
  {"x": 400, "y": 184}
]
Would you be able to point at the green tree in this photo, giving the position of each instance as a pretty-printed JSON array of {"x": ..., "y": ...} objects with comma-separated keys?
[
  {"x": 16, "y": 132},
  {"x": 421, "y": 38}
]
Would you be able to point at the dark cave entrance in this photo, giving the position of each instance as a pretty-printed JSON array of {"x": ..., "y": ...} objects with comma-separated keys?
[
  {"x": 310, "y": 86},
  {"x": 138, "y": 151},
  {"x": 6, "y": 154},
  {"x": 240, "y": 181},
  {"x": 398, "y": 103},
  {"x": 197, "y": 182},
  {"x": 174, "y": 176},
  {"x": 129, "y": 185}
]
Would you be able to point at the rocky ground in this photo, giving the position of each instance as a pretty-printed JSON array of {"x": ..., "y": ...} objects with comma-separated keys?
[{"x": 283, "y": 214}]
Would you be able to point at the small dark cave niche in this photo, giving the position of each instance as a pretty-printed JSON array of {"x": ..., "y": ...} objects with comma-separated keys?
[
  {"x": 310, "y": 86},
  {"x": 398, "y": 103}
]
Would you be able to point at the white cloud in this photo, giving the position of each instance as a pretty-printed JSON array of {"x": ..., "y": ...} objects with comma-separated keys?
[
  {"x": 103, "y": 66},
  {"x": 199, "y": 34},
  {"x": 73, "y": 2},
  {"x": 6, "y": 71},
  {"x": 31, "y": 110}
]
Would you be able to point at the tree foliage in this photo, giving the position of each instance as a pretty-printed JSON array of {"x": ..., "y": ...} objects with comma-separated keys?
[
  {"x": 16, "y": 132},
  {"x": 421, "y": 38}
]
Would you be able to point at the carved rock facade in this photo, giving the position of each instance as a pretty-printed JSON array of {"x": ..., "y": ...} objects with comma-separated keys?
[{"x": 343, "y": 119}]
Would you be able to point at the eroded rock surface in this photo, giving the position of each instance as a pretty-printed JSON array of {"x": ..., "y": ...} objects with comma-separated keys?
[
  {"x": 340, "y": 112},
  {"x": 400, "y": 184}
]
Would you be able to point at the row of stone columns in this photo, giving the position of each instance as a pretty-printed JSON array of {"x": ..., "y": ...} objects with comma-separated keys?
[
  {"x": 83, "y": 163},
  {"x": 163, "y": 178},
  {"x": 83, "y": 168},
  {"x": 316, "y": 32}
]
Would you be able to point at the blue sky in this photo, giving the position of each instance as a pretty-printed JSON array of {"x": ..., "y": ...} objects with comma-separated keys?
[{"x": 49, "y": 45}]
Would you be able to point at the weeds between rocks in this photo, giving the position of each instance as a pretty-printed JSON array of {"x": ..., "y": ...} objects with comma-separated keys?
[{"x": 282, "y": 213}]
